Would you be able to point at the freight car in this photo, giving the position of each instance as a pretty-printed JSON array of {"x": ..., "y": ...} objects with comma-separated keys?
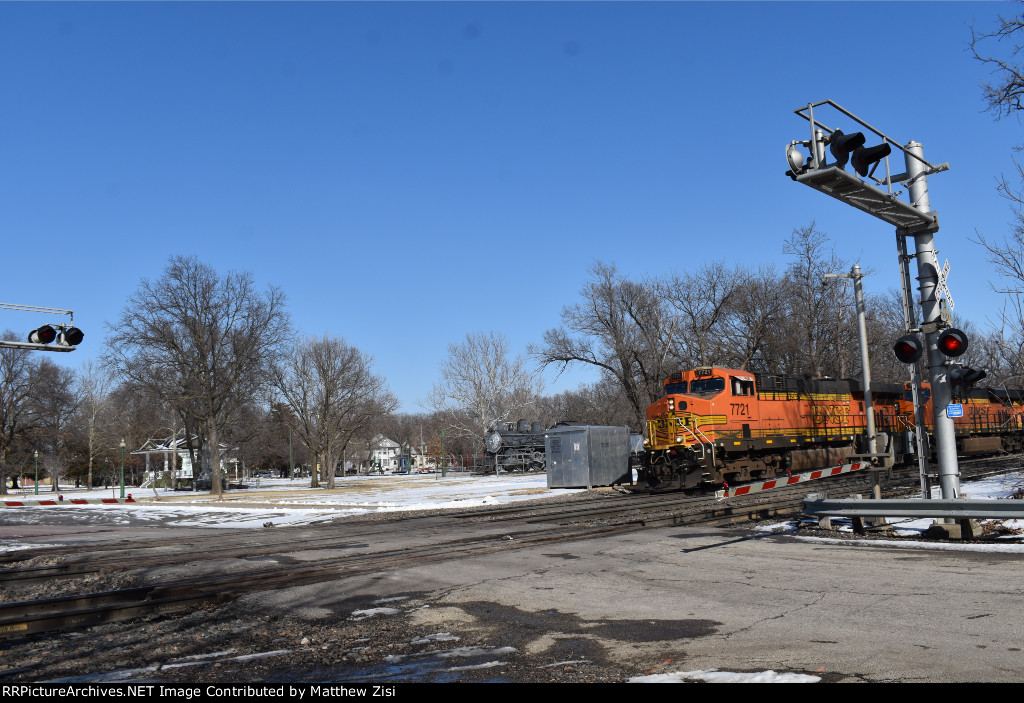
[{"x": 717, "y": 425}]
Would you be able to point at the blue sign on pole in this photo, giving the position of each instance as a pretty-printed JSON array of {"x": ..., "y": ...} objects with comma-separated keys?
[{"x": 955, "y": 410}]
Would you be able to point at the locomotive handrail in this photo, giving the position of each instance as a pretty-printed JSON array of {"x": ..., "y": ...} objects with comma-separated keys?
[
  {"x": 703, "y": 455},
  {"x": 902, "y": 420}
]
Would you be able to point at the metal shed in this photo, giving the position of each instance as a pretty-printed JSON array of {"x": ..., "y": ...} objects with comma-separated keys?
[{"x": 584, "y": 456}]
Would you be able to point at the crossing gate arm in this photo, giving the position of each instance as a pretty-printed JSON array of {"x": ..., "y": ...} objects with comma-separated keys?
[{"x": 790, "y": 480}]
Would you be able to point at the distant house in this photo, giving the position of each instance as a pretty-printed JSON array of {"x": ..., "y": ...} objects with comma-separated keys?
[
  {"x": 384, "y": 454},
  {"x": 421, "y": 461}
]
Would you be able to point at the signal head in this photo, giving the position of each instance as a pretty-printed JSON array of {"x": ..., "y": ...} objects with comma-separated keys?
[
  {"x": 965, "y": 376},
  {"x": 908, "y": 348},
  {"x": 70, "y": 336},
  {"x": 863, "y": 159},
  {"x": 952, "y": 342},
  {"x": 842, "y": 145},
  {"x": 42, "y": 335}
]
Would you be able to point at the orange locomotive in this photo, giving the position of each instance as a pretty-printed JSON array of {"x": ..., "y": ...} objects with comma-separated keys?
[{"x": 717, "y": 425}]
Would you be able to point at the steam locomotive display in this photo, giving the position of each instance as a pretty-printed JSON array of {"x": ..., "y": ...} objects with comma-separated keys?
[
  {"x": 717, "y": 425},
  {"x": 517, "y": 447}
]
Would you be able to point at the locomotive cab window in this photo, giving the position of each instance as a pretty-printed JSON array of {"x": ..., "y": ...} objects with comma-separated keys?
[
  {"x": 677, "y": 387},
  {"x": 742, "y": 386},
  {"x": 707, "y": 385}
]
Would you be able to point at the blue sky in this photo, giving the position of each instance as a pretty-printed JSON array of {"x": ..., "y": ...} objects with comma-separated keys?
[{"x": 411, "y": 172}]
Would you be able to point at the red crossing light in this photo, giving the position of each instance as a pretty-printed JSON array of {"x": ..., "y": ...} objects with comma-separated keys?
[
  {"x": 952, "y": 342},
  {"x": 43, "y": 335},
  {"x": 908, "y": 348}
]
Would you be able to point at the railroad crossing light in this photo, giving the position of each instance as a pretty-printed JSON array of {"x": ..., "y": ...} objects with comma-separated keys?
[
  {"x": 965, "y": 376},
  {"x": 863, "y": 158},
  {"x": 908, "y": 348},
  {"x": 70, "y": 337},
  {"x": 42, "y": 335},
  {"x": 952, "y": 342},
  {"x": 842, "y": 145}
]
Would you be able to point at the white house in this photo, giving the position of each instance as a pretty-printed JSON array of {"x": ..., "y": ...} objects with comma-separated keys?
[{"x": 384, "y": 454}]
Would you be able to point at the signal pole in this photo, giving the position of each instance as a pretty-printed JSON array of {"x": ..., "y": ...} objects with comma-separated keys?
[
  {"x": 865, "y": 362},
  {"x": 910, "y": 322},
  {"x": 928, "y": 277},
  {"x": 915, "y": 219}
]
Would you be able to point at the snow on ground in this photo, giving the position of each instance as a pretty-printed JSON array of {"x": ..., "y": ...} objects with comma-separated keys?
[{"x": 281, "y": 501}]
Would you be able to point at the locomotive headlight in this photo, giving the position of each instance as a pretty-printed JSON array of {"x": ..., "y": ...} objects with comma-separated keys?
[
  {"x": 679, "y": 438},
  {"x": 493, "y": 441},
  {"x": 671, "y": 403}
]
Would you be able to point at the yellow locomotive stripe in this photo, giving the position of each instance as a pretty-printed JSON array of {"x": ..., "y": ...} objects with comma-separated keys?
[{"x": 702, "y": 420}]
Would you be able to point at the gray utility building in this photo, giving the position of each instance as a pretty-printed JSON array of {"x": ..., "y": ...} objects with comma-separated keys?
[{"x": 584, "y": 456}]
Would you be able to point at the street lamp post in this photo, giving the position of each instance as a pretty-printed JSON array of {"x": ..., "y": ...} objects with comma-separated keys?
[
  {"x": 37, "y": 470},
  {"x": 122, "y": 469},
  {"x": 865, "y": 363}
]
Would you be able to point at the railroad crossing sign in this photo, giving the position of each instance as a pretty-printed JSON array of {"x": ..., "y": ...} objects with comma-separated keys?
[{"x": 942, "y": 283}]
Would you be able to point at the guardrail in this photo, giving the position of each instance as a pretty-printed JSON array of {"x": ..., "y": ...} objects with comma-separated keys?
[{"x": 956, "y": 508}]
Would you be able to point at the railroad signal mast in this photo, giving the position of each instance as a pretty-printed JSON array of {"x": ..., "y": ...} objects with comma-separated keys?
[
  {"x": 912, "y": 219},
  {"x": 59, "y": 337}
]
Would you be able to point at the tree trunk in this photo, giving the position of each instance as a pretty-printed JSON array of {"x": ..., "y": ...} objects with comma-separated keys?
[{"x": 216, "y": 485}]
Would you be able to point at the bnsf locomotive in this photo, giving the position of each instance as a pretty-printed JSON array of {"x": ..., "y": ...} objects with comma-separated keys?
[{"x": 717, "y": 425}]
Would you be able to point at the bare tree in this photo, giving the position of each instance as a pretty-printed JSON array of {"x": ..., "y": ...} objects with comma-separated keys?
[
  {"x": 201, "y": 341},
  {"x": 16, "y": 367},
  {"x": 812, "y": 326},
  {"x": 600, "y": 403},
  {"x": 56, "y": 467},
  {"x": 54, "y": 403},
  {"x": 702, "y": 302},
  {"x": 755, "y": 320},
  {"x": 1003, "y": 94},
  {"x": 334, "y": 395},
  {"x": 622, "y": 328},
  {"x": 885, "y": 324},
  {"x": 480, "y": 384},
  {"x": 1000, "y": 50},
  {"x": 94, "y": 384}
]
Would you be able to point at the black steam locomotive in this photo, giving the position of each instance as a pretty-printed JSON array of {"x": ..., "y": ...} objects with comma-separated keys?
[{"x": 516, "y": 447}]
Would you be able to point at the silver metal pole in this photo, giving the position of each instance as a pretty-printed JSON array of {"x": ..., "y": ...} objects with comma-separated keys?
[
  {"x": 865, "y": 364},
  {"x": 928, "y": 278},
  {"x": 910, "y": 322}
]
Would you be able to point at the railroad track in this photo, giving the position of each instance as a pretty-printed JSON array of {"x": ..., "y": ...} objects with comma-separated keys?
[
  {"x": 497, "y": 529},
  {"x": 30, "y": 617}
]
